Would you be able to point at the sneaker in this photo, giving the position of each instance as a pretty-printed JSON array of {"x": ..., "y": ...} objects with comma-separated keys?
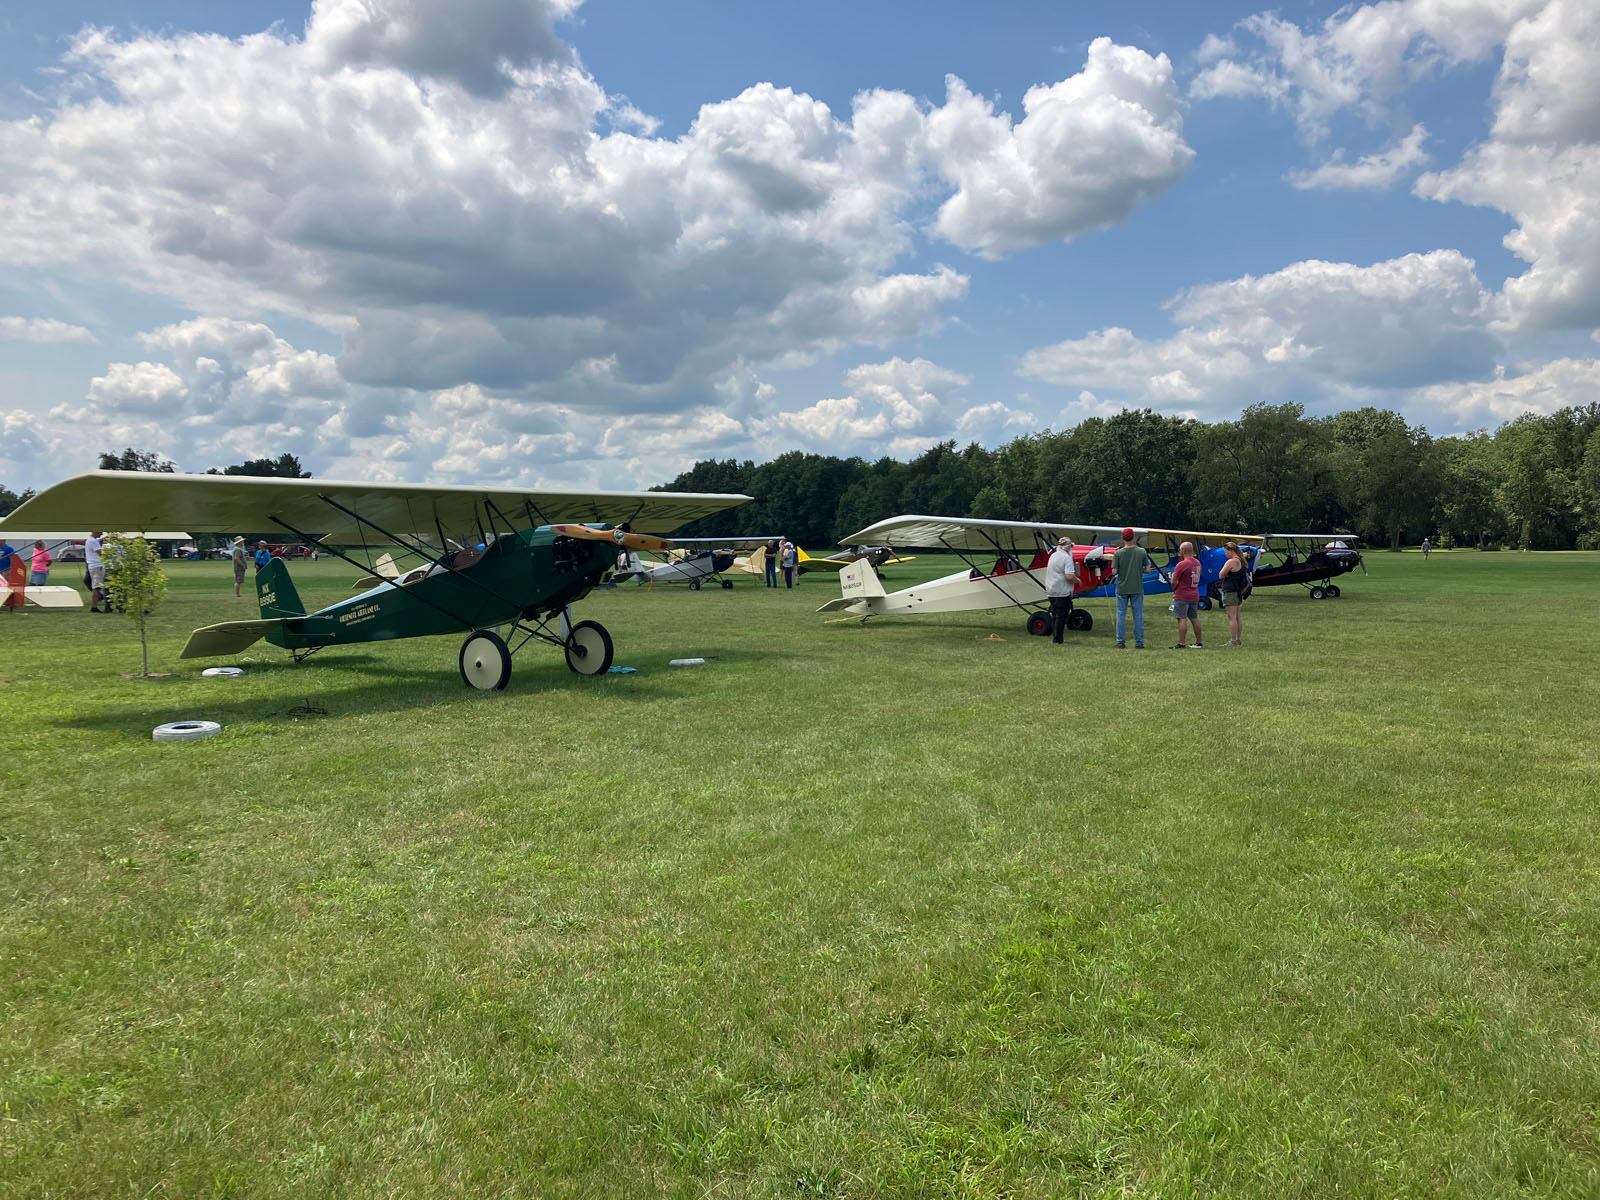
[
  {"x": 1180, "y": 646},
  {"x": 1121, "y": 646},
  {"x": 1138, "y": 645},
  {"x": 1196, "y": 646}
]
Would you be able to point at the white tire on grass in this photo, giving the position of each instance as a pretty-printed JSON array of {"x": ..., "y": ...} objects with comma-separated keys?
[{"x": 185, "y": 731}]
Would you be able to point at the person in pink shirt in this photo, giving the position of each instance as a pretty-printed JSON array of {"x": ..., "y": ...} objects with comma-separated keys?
[
  {"x": 1186, "y": 595},
  {"x": 40, "y": 566}
]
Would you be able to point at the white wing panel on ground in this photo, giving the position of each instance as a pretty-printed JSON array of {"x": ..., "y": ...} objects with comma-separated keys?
[{"x": 339, "y": 510}]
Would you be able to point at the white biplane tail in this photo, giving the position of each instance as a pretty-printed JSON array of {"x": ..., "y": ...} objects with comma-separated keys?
[{"x": 859, "y": 584}]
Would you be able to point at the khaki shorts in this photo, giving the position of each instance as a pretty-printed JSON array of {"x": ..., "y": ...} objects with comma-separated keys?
[
  {"x": 97, "y": 577},
  {"x": 1231, "y": 600}
]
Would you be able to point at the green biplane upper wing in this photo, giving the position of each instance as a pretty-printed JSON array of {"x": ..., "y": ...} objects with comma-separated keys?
[{"x": 340, "y": 511}]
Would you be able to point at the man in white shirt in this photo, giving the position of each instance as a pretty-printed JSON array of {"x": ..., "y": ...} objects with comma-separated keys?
[
  {"x": 1060, "y": 584},
  {"x": 97, "y": 572}
]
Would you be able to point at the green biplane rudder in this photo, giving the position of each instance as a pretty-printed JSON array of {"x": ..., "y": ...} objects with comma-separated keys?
[{"x": 276, "y": 591}]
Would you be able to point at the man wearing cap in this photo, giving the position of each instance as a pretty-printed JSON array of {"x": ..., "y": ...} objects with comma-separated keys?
[
  {"x": 1132, "y": 561},
  {"x": 1060, "y": 584},
  {"x": 238, "y": 564}
]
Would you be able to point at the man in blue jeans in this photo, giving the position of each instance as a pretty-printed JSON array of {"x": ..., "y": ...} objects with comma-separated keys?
[{"x": 1132, "y": 561}]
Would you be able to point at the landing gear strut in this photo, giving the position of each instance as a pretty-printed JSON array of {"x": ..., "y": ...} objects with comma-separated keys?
[{"x": 486, "y": 657}]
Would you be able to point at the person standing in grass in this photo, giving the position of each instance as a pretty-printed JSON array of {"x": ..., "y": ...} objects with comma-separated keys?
[
  {"x": 1186, "y": 595},
  {"x": 1231, "y": 580},
  {"x": 1427, "y": 549},
  {"x": 40, "y": 571},
  {"x": 1060, "y": 585},
  {"x": 263, "y": 555},
  {"x": 15, "y": 577},
  {"x": 238, "y": 565},
  {"x": 791, "y": 561},
  {"x": 95, "y": 569},
  {"x": 1132, "y": 561},
  {"x": 772, "y": 563}
]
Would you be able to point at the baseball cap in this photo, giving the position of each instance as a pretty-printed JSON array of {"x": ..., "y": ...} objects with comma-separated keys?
[
  {"x": 1063, "y": 541},
  {"x": 1127, "y": 534}
]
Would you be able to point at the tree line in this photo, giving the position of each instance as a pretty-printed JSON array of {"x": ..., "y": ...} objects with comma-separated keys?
[{"x": 1534, "y": 482}]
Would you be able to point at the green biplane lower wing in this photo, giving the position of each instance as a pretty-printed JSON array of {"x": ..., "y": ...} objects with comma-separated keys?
[{"x": 230, "y": 637}]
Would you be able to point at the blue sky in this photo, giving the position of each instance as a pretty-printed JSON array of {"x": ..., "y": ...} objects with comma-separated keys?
[{"x": 547, "y": 241}]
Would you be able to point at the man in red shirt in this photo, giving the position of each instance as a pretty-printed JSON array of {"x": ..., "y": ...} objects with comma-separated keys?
[{"x": 1186, "y": 595}]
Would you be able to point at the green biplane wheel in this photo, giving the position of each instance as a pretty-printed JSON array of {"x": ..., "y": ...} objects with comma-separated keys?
[
  {"x": 485, "y": 661},
  {"x": 589, "y": 649}
]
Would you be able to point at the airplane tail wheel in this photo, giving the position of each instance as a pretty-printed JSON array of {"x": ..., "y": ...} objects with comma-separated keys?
[
  {"x": 589, "y": 649},
  {"x": 1317, "y": 593},
  {"x": 1038, "y": 624},
  {"x": 727, "y": 585},
  {"x": 1080, "y": 620},
  {"x": 1333, "y": 590},
  {"x": 694, "y": 585},
  {"x": 485, "y": 661}
]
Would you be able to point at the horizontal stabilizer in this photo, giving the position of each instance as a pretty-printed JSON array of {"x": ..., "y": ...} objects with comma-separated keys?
[
  {"x": 836, "y": 604},
  {"x": 48, "y": 595},
  {"x": 230, "y": 637}
]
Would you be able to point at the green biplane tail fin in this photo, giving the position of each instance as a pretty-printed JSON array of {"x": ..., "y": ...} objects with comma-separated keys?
[{"x": 276, "y": 592}]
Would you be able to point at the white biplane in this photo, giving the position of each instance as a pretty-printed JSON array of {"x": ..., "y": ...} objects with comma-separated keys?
[{"x": 1005, "y": 566}]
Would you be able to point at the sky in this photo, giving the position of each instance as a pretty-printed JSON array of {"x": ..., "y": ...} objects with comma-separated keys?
[{"x": 588, "y": 242}]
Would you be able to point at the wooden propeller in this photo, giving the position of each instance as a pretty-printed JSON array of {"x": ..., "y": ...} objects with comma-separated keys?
[{"x": 617, "y": 537}]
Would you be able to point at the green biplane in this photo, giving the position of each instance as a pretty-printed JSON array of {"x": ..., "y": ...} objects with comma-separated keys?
[{"x": 488, "y": 558}]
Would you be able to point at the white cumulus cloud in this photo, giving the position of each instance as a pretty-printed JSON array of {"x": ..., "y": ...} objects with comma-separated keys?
[{"x": 42, "y": 329}]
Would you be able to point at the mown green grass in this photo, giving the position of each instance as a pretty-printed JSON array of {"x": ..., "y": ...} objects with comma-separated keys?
[{"x": 848, "y": 911}]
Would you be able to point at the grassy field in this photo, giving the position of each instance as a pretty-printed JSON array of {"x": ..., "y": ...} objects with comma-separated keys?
[{"x": 905, "y": 909}]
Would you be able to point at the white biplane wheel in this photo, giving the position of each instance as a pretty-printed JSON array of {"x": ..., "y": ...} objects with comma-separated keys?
[
  {"x": 1317, "y": 593},
  {"x": 589, "y": 649},
  {"x": 485, "y": 661}
]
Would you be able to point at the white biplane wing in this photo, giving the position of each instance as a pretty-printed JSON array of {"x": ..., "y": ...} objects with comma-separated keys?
[
  {"x": 341, "y": 512},
  {"x": 960, "y": 533}
]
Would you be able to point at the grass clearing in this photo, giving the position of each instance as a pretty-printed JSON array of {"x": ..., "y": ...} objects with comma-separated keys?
[{"x": 848, "y": 911}]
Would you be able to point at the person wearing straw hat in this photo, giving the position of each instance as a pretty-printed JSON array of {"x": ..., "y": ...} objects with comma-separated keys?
[
  {"x": 1060, "y": 585},
  {"x": 238, "y": 565}
]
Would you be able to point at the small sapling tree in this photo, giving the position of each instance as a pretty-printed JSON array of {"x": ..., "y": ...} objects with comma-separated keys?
[{"x": 137, "y": 584}]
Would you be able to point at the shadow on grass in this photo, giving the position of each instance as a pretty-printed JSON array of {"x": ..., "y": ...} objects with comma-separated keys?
[{"x": 385, "y": 689}]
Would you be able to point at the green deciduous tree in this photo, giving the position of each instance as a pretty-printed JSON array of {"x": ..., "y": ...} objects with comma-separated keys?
[
  {"x": 285, "y": 466},
  {"x": 136, "y": 460},
  {"x": 11, "y": 501},
  {"x": 137, "y": 583}
]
